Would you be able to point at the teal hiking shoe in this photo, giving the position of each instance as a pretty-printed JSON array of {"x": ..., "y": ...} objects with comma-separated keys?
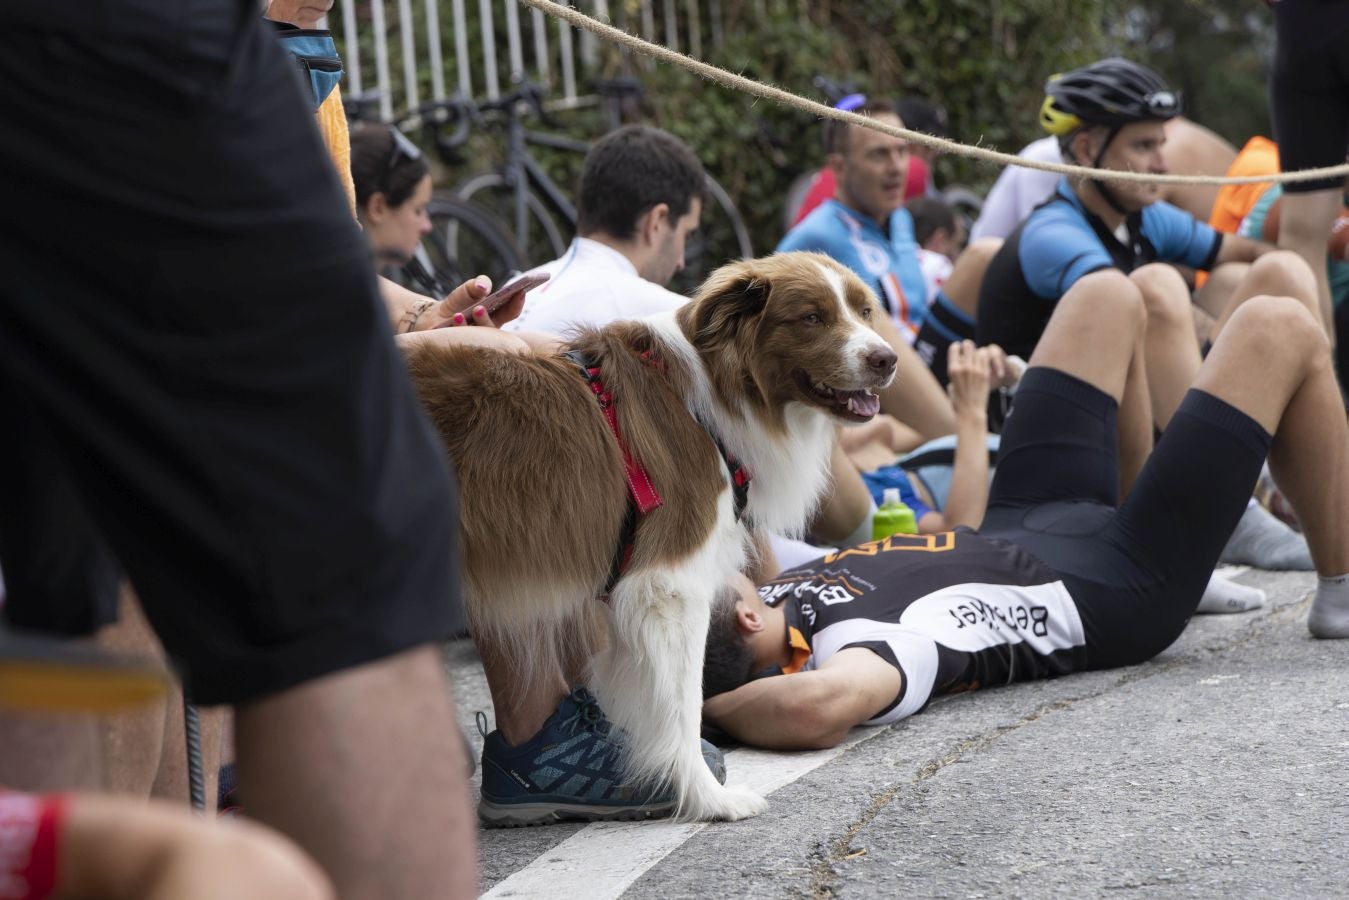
[{"x": 570, "y": 771}]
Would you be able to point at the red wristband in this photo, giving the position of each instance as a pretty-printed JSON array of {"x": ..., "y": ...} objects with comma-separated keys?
[{"x": 28, "y": 838}]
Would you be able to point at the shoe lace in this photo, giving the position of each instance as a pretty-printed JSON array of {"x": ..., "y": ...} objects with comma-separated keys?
[{"x": 588, "y": 715}]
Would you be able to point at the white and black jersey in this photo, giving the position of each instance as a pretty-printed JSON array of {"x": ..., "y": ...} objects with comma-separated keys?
[{"x": 952, "y": 611}]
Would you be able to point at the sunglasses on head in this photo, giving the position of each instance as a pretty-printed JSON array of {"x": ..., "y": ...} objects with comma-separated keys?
[{"x": 402, "y": 149}]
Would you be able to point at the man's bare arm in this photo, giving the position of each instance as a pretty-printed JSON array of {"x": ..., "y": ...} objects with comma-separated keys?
[
  {"x": 809, "y": 710},
  {"x": 1236, "y": 248}
]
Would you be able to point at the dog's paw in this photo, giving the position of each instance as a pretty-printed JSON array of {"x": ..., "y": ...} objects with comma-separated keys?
[{"x": 727, "y": 804}]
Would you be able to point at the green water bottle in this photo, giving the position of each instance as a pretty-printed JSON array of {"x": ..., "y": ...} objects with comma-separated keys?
[{"x": 893, "y": 517}]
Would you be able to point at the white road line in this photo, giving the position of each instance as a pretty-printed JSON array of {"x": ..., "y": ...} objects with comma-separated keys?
[{"x": 607, "y": 857}]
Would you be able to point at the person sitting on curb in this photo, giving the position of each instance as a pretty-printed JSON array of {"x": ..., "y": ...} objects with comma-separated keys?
[
  {"x": 1111, "y": 115},
  {"x": 1093, "y": 553},
  {"x": 867, "y": 228}
]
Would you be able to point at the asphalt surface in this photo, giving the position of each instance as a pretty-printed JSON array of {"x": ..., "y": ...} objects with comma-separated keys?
[{"x": 1218, "y": 768}]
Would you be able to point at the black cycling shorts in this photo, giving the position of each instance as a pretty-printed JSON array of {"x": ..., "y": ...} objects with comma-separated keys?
[
  {"x": 1309, "y": 88},
  {"x": 198, "y": 372},
  {"x": 1137, "y": 572}
]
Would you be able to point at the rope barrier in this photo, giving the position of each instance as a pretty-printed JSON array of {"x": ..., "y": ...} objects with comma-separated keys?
[{"x": 786, "y": 98}]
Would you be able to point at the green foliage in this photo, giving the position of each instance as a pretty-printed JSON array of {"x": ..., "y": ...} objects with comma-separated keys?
[
  {"x": 985, "y": 61},
  {"x": 1216, "y": 51}
]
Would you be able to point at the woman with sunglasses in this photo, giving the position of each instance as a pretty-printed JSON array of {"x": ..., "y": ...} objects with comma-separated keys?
[{"x": 393, "y": 187}]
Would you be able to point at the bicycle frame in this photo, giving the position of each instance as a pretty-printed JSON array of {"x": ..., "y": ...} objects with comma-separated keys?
[{"x": 522, "y": 173}]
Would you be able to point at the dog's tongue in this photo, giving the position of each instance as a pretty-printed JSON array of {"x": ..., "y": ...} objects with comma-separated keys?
[{"x": 863, "y": 403}]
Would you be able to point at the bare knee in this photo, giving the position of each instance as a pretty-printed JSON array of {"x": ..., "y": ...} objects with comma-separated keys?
[
  {"x": 1108, "y": 293},
  {"x": 1280, "y": 331},
  {"x": 1165, "y": 293},
  {"x": 1282, "y": 273}
]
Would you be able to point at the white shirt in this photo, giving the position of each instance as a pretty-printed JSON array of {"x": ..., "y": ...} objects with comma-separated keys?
[
  {"x": 591, "y": 284},
  {"x": 1017, "y": 191}
]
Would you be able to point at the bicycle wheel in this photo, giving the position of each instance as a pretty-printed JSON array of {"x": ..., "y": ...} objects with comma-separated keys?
[
  {"x": 721, "y": 237},
  {"x": 544, "y": 240},
  {"x": 465, "y": 241}
]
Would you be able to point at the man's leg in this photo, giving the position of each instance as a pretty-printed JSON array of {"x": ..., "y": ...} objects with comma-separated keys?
[
  {"x": 1260, "y": 539},
  {"x": 408, "y": 831},
  {"x": 521, "y": 705},
  {"x": 1214, "y": 296},
  {"x": 1279, "y": 274},
  {"x": 270, "y": 486},
  {"x": 1292, "y": 392},
  {"x": 1102, "y": 301},
  {"x": 1171, "y": 349},
  {"x": 1304, "y": 228}
]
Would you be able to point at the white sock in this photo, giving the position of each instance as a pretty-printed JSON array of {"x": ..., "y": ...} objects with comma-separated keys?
[
  {"x": 1263, "y": 541},
  {"x": 1223, "y": 596},
  {"x": 1329, "y": 617}
]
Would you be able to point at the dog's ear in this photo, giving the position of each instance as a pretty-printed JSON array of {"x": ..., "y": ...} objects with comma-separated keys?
[{"x": 731, "y": 298}]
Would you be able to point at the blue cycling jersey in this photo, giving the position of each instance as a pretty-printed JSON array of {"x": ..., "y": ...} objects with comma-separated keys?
[
  {"x": 1058, "y": 243},
  {"x": 887, "y": 262}
]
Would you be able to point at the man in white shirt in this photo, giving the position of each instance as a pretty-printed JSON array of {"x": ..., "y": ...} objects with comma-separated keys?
[{"x": 641, "y": 197}]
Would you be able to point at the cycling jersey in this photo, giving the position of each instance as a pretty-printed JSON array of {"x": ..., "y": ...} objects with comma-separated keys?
[
  {"x": 1061, "y": 578},
  {"x": 1059, "y": 243},
  {"x": 886, "y": 260},
  {"x": 952, "y": 611}
]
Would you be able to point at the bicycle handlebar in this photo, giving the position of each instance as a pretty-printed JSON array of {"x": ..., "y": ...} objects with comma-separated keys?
[{"x": 526, "y": 92}]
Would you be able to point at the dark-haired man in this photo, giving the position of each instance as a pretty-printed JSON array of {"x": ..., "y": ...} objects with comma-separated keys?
[
  {"x": 640, "y": 199},
  {"x": 1062, "y": 576}
]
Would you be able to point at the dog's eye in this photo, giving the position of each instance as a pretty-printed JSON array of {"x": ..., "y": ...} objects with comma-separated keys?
[
  {"x": 812, "y": 319},
  {"x": 866, "y": 313}
]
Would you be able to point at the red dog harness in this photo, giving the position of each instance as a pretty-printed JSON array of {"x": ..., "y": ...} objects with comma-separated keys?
[{"x": 642, "y": 494}]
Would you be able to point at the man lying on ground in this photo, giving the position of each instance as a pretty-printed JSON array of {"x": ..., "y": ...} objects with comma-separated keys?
[{"x": 1062, "y": 577}]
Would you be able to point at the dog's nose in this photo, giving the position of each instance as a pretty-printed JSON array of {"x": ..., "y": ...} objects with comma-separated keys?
[{"x": 882, "y": 360}]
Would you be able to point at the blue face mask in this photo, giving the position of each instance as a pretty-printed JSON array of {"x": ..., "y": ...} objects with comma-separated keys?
[{"x": 316, "y": 54}]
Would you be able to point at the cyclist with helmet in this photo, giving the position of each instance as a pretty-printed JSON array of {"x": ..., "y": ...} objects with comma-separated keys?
[{"x": 1110, "y": 115}]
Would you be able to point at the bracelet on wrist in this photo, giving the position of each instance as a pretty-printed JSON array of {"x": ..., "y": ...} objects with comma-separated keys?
[{"x": 413, "y": 314}]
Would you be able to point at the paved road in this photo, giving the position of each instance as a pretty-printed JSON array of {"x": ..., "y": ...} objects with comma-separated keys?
[{"x": 1219, "y": 768}]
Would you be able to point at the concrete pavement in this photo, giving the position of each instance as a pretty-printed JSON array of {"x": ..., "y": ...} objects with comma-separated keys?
[{"x": 1220, "y": 767}]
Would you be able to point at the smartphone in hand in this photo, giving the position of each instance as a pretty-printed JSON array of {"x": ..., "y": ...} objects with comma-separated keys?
[{"x": 503, "y": 295}]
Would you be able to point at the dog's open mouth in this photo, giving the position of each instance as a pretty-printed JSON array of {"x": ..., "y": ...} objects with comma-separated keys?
[{"x": 859, "y": 406}]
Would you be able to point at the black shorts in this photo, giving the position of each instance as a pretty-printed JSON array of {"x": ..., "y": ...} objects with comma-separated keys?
[
  {"x": 193, "y": 343},
  {"x": 1309, "y": 88},
  {"x": 1137, "y": 572}
]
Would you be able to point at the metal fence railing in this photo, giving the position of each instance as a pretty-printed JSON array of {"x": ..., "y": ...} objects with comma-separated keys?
[{"x": 411, "y": 51}]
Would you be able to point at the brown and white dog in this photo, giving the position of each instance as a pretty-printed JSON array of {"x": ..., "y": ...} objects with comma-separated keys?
[{"x": 769, "y": 356}]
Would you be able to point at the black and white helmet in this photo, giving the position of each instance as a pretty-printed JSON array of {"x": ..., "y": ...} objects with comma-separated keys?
[{"x": 1112, "y": 92}]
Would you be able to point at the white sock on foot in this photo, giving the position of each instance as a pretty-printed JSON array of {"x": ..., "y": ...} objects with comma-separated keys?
[
  {"x": 1223, "y": 596},
  {"x": 1329, "y": 617},
  {"x": 1263, "y": 541}
]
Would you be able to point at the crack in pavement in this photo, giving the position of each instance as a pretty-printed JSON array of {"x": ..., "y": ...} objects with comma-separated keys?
[{"x": 822, "y": 871}]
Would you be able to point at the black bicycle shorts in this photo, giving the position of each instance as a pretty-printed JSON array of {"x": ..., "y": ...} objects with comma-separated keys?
[
  {"x": 1309, "y": 88},
  {"x": 1136, "y": 572},
  {"x": 198, "y": 372}
]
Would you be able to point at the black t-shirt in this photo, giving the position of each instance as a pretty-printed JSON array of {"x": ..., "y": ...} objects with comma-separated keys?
[{"x": 952, "y": 611}]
